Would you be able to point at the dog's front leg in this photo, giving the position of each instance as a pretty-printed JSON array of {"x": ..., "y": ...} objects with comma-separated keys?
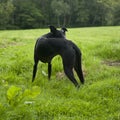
[{"x": 49, "y": 70}]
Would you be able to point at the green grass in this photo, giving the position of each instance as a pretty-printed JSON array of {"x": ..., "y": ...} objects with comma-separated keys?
[{"x": 58, "y": 99}]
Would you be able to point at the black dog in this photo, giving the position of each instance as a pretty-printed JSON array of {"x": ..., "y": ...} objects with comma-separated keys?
[{"x": 46, "y": 48}]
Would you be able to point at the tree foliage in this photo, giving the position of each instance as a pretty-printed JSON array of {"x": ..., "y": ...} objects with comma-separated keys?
[
  {"x": 60, "y": 9},
  {"x": 6, "y": 9},
  {"x": 24, "y": 14}
]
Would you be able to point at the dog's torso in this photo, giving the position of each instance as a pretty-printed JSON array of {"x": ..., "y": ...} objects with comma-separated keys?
[{"x": 51, "y": 47}]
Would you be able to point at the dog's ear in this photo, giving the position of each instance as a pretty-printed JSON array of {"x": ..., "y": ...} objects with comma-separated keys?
[
  {"x": 52, "y": 29},
  {"x": 64, "y": 29}
]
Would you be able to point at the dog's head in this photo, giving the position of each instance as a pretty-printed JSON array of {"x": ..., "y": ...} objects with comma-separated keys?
[{"x": 57, "y": 33}]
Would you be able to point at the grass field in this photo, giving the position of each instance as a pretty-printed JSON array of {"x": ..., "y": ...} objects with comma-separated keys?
[{"x": 58, "y": 99}]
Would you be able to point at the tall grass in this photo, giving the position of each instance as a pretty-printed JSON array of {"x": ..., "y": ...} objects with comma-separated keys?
[{"x": 58, "y": 99}]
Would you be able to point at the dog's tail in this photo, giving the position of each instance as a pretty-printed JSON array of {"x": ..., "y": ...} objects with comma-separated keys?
[{"x": 78, "y": 63}]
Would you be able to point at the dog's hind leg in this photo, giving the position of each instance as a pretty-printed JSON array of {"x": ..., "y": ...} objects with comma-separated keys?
[
  {"x": 34, "y": 69},
  {"x": 70, "y": 75},
  {"x": 68, "y": 64},
  {"x": 49, "y": 70}
]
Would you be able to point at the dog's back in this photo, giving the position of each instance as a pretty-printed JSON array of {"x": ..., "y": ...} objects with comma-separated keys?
[{"x": 54, "y": 33}]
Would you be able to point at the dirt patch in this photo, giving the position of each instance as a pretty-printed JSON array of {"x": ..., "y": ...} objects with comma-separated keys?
[
  {"x": 60, "y": 75},
  {"x": 9, "y": 44},
  {"x": 112, "y": 63}
]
